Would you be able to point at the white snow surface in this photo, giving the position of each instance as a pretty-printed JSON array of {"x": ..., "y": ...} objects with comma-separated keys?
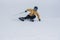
[{"x": 11, "y": 28}]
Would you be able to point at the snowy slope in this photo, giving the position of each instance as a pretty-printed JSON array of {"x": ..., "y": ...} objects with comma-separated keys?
[{"x": 13, "y": 29}]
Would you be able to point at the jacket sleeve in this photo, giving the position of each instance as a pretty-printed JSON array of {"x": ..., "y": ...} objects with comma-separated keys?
[
  {"x": 38, "y": 16},
  {"x": 28, "y": 9}
]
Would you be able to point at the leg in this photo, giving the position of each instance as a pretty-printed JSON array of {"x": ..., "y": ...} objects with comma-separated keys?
[
  {"x": 23, "y": 18},
  {"x": 32, "y": 18},
  {"x": 27, "y": 17}
]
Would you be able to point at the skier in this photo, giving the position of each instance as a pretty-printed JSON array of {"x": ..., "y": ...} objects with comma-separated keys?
[{"x": 32, "y": 15}]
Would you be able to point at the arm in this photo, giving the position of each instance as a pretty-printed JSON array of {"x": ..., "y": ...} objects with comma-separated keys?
[
  {"x": 27, "y": 10},
  {"x": 38, "y": 16}
]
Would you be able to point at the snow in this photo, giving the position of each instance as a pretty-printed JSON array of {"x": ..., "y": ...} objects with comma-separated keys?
[{"x": 13, "y": 29}]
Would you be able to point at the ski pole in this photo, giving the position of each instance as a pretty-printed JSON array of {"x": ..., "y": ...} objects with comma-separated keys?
[{"x": 20, "y": 13}]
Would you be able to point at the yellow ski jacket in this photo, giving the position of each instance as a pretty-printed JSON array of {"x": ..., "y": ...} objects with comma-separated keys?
[{"x": 33, "y": 12}]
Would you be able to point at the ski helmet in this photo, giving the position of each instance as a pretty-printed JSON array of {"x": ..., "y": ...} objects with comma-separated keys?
[{"x": 36, "y": 8}]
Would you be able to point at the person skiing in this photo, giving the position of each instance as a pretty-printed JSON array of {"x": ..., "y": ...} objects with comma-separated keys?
[{"x": 32, "y": 15}]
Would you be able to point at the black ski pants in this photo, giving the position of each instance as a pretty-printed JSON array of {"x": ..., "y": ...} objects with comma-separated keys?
[{"x": 30, "y": 17}]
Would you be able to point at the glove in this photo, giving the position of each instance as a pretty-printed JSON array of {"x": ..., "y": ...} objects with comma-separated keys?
[
  {"x": 39, "y": 19},
  {"x": 25, "y": 11}
]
